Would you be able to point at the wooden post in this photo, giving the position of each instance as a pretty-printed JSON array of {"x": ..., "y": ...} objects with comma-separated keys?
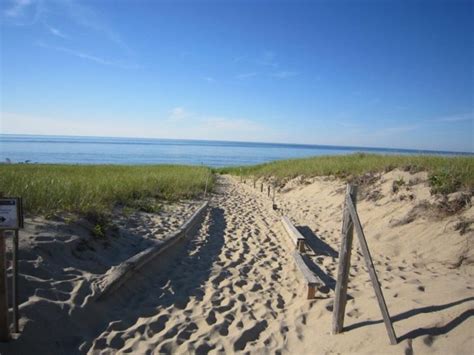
[
  {"x": 300, "y": 246},
  {"x": 4, "y": 325},
  {"x": 274, "y": 206},
  {"x": 15, "y": 299},
  {"x": 205, "y": 188},
  {"x": 261, "y": 187},
  {"x": 373, "y": 275},
  {"x": 268, "y": 190},
  {"x": 344, "y": 263},
  {"x": 254, "y": 182}
]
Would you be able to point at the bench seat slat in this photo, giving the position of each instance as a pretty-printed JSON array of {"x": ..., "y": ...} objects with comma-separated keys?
[
  {"x": 296, "y": 237},
  {"x": 309, "y": 276}
]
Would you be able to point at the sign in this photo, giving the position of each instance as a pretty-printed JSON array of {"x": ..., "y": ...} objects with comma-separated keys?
[{"x": 11, "y": 214}]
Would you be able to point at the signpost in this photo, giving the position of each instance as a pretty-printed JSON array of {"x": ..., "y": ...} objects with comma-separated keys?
[{"x": 11, "y": 218}]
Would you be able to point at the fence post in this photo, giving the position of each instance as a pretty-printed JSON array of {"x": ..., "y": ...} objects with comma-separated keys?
[
  {"x": 274, "y": 206},
  {"x": 205, "y": 188},
  {"x": 4, "y": 325},
  {"x": 347, "y": 235},
  {"x": 16, "y": 315},
  {"x": 373, "y": 275}
]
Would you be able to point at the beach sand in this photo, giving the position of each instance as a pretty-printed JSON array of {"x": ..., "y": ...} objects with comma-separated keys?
[{"x": 233, "y": 285}]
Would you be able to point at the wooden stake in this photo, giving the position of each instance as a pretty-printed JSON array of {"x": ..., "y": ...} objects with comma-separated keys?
[
  {"x": 373, "y": 275},
  {"x": 268, "y": 190},
  {"x": 16, "y": 315},
  {"x": 205, "y": 188},
  {"x": 4, "y": 325},
  {"x": 274, "y": 206},
  {"x": 344, "y": 263},
  {"x": 261, "y": 187}
]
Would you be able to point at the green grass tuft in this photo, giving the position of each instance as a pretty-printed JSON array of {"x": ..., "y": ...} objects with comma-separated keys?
[
  {"x": 447, "y": 174},
  {"x": 48, "y": 189}
]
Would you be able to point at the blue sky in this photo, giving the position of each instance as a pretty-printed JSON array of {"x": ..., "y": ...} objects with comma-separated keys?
[{"x": 364, "y": 73}]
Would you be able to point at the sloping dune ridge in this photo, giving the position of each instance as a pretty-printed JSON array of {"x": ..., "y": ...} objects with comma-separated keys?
[{"x": 233, "y": 286}]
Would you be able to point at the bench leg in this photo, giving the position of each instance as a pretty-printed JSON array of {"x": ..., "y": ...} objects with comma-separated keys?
[
  {"x": 311, "y": 292},
  {"x": 301, "y": 248}
]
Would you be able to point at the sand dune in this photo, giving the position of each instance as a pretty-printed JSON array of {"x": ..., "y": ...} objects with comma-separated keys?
[{"x": 233, "y": 286}]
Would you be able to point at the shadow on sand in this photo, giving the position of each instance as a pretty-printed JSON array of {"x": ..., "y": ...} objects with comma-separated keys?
[
  {"x": 169, "y": 280},
  {"x": 318, "y": 246},
  {"x": 432, "y": 331}
]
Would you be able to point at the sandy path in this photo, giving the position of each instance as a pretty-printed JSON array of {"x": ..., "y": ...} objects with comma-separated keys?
[{"x": 227, "y": 289}]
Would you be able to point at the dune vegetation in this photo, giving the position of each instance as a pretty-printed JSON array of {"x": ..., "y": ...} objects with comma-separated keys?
[
  {"x": 47, "y": 188},
  {"x": 446, "y": 173}
]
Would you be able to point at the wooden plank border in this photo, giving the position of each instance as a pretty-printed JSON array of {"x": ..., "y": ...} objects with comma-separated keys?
[
  {"x": 312, "y": 280},
  {"x": 117, "y": 275},
  {"x": 296, "y": 237}
]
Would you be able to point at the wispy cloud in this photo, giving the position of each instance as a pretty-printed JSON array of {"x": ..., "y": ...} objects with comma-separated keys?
[
  {"x": 56, "y": 32},
  {"x": 467, "y": 116},
  {"x": 233, "y": 124},
  {"x": 77, "y": 14},
  {"x": 17, "y": 8},
  {"x": 85, "y": 16},
  {"x": 268, "y": 59},
  {"x": 87, "y": 56},
  {"x": 179, "y": 114},
  {"x": 388, "y": 131},
  {"x": 23, "y": 12},
  {"x": 246, "y": 75},
  {"x": 264, "y": 64},
  {"x": 284, "y": 74},
  {"x": 198, "y": 126},
  {"x": 209, "y": 79}
]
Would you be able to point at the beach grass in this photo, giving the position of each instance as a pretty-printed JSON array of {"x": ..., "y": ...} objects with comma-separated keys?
[
  {"x": 48, "y": 188},
  {"x": 446, "y": 173}
]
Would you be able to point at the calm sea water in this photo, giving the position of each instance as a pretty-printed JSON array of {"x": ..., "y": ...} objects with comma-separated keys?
[{"x": 102, "y": 150}]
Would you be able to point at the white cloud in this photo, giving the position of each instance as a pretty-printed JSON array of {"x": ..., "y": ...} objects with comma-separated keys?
[{"x": 178, "y": 114}]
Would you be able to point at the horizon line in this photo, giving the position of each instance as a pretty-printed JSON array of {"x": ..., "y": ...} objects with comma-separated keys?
[{"x": 332, "y": 146}]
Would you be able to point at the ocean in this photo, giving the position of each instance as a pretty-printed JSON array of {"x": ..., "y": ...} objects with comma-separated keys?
[{"x": 106, "y": 150}]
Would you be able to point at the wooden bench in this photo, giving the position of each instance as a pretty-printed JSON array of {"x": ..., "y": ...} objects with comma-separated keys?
[
  {"x": 312, "y": 280},
  {"x": 296, "y": 237},
  {"x": 299, "y": 241}
]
